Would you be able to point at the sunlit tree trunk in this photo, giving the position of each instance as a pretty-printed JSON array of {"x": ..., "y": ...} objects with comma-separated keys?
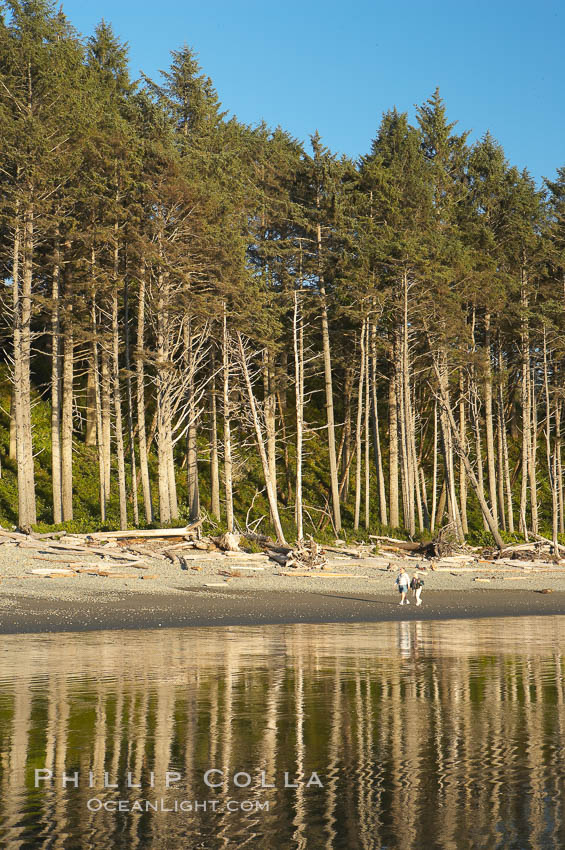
[
  {"x": 298, "y": 340},
  {"x": 106, "y": 408},
  {"x": 367, "y": 440},
  {"x": 489, "y": 428},
  {"x": 67, "y": 408},
  {"x": 56, "y": 389},
  {"x": 269, "y": 412},
  {"x": 120, "y": 454},
  {"x": 463, "y": 439},
  {"x": 376, "y": 431},
  {"x": 193, "y": 489},
  {"x": 525, "y": 398},
  {"x": 434, "y": 472},
  {"x": 358, "y": 446},
  {"x": 228, "y": 464},
  {"x": 214, "y": 462},
  {"x": 328, "y": 383},
  {"x": 393, "y": 450},
  {"x": 271, "y": 493},
  {"x": 140, "y": 399},
  {"x": 98, "y": 398},
  {"x": 129, "y": 394}
]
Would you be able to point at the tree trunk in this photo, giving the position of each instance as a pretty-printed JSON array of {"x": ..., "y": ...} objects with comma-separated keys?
[
  {"x": 129, "y": 395},
  {"x": 478, "y": 447},
  {"x": 475, "y": 406},
  {"x": 298, "y": 339},
  {"x": 463, "y": 439},
  {"x": 26, "y": 354},
  {"x": 376, "y": 432},
  {"x": 120, "y": 454},
  {"x": 424, "y": 498},
  {"x": 163, "y": 390},
  {"x": 525, "y": 398},
  {"x": 334, "y": 483},
  {"x": 533, "y": 450},
  {"x": 228, "y": 465},
  {"x": 367, "y": 440},
  {"x": 500, "y": 471},
  {"x": 393, "y": 450},
  {"x": 12, "y": 449},
  {"x": 98, "y": 398},
  {"x": 193, "y": 489},
  {"x": 358, "y": 447},
  {"x": 67, "y": 409},
  {"x": 271, "y": 493},
  {"x": 415, "y": 467},
  {"x": 434, "y": 472},
  {"x": 286, "y": 460},
  {"x": 346, "y": 456},
  {"x": 22, "y": 364},
  {"x": 489, "y": 429},
  {"x": 409, "y": 436},
  {"x": 214, "y": 463},
  {"x": 507, "y": 476},
  {"x": 270, "y": 411},
  {"x": 441, "y": 504},
  {"x": 56, "y": 471},
  {"x": 171, "y": 464},
  {"x": 551, "y": 459},
  {"x": 448, "y": 439},
  {"x": 559, "y": 468},
  {"x": 140, "y": 397},
  {"x": 19, "y": 395},
  {"x": 90, "y": 410},
  {"x": 402, "y": 435},
  {"x": 106, "y": 413}
]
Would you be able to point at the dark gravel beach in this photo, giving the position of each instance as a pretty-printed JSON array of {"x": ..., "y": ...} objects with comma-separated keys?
[{"x": 195, "y": 607}]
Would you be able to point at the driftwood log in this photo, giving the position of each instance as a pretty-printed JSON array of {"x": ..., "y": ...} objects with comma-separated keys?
[
  {"x": 228, "y": 542},
  {"x": 148, "y": 532}
]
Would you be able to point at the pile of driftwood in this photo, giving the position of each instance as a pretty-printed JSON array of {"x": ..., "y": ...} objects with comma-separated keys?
[
  {"x": 443, "y": 545},
  {"x": 407, "y": 547},
  {"x": 540, "y": 550},
  {"x": 115, "y": 551},
  {"x": 306, "y": 556},
  {"x": 123, "y": 549}
]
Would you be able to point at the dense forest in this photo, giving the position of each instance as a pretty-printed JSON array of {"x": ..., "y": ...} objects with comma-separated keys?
[{"x": 205, "y": 318}]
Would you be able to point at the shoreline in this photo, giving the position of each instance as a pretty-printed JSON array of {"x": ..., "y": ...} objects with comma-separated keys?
[
  {"x": 213, "y": 589},
  {"x": 189, "y": 607}
]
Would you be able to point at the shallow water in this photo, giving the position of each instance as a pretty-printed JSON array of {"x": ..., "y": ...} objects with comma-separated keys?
[{"x": 395, "y": 735}]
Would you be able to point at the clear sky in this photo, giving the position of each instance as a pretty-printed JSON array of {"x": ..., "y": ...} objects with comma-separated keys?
[{"x": 336, "y": 65}]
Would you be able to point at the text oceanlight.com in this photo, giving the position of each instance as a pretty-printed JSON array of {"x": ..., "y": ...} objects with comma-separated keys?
[{"x": 162, "y": 805}]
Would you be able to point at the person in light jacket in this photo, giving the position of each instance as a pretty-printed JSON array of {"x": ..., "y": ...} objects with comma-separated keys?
[{"x": 402, "y": 582}]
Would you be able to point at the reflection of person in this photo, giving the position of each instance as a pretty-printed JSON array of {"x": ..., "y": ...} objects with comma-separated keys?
[
  {"x": 405, "y": 638},
  {"x": 402, "y": 581},
  {"x": 416, "y": 585}
]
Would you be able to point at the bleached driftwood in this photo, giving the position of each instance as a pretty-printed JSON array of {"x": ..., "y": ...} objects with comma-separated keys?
[
  {"x": 147, "y": 532},
  {"x": 228, "y": 542}
]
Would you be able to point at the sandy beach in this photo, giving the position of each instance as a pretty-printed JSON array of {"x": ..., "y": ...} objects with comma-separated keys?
[{"x": 256, "y": 591}]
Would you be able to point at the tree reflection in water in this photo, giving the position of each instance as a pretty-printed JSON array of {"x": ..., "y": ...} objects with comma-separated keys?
[{"x": 423, "y": 734}]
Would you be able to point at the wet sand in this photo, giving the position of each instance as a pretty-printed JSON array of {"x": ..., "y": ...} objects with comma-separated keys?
[{"x": 192, "y": 606}]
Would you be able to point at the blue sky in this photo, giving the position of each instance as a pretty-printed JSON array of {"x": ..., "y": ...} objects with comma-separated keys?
[{"x": 336, "y": 66}]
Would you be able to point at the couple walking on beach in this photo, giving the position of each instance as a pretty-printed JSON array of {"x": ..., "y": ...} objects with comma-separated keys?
[{"x": 404, "y": 583}]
